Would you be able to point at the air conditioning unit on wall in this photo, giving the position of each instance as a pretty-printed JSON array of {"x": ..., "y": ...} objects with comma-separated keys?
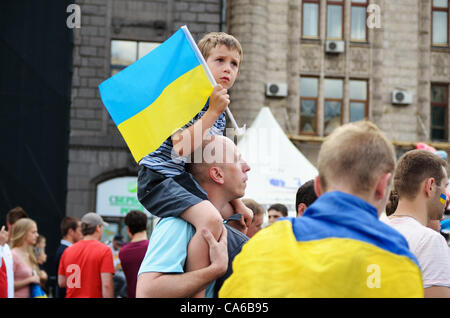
[
  {"x": 276, "y": 89},
  {"x": 401, "y": 97},
  {"x": 334, "y": 46}
]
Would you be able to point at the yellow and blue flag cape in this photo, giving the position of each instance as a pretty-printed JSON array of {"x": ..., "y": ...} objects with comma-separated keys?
[
  {"x": 338, "y": 248},
  {"x": 153, "y": 97}
]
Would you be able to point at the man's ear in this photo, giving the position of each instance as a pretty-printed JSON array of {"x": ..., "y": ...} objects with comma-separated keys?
[
  {"x": 428, "y": 186},
  {"x": 301, "y": 209},
  {"x": 382, "y": 186},
  {"x": 317, "y": 186},
  {"x": 216, "y": 174}
]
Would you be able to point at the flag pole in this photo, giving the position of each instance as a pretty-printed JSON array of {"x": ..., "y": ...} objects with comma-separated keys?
[{"x": 238, "y": 131}]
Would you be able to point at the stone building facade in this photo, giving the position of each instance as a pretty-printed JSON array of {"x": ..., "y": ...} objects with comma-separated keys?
[
  {"x": 97, "y": 152},
  {"x": 396, "y": 55}
]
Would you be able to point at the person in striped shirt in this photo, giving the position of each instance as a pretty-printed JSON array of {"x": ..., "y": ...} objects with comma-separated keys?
[{"x": 165, "y": 189}]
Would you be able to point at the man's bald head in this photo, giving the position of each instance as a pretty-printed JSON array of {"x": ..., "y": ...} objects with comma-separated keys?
[{"x": 215, "y": 151}]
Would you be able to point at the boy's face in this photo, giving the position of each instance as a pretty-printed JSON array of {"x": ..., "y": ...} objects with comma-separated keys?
[{"x": 224, "y": 65}]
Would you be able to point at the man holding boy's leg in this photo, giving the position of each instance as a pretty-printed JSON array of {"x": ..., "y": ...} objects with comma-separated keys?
[
  {"x": 224, "y": 181},
  {"x": 165, "y": 189}
]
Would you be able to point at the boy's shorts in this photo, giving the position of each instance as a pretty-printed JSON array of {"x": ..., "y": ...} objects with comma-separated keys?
[{"x": 168, "y": 196}]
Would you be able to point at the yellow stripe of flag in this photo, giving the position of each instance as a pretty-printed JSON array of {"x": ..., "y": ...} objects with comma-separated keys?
[{"x": 174, "y": 107}]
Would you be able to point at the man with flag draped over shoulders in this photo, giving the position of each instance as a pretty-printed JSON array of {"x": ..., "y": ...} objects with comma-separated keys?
[{"x": 339, "y": 248}]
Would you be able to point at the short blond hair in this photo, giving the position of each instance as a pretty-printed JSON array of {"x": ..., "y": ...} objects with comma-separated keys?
[
  {"x": 356, "y": 153},
  {"x": 413, "y": 168},
  {"x": 256, "y": 208},
  {"x": 212, "y": 39}
]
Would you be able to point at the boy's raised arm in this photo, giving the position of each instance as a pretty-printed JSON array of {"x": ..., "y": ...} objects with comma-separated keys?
[{"x": 186, "y": 141}]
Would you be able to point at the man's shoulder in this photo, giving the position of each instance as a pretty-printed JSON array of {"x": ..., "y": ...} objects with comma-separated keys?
[
  {"x": 432, "y": 238},
  {"x": 235, "y": 238},
  {"x": 171, "y": 228},
  {"x": 61, "y": 248},
  {"x": 235, "y": 234},
  {"x": 172, "y": 222},
  {"x": 132, "y": 247},
  {"x": 7, "y": 249},
  {"x": 87, "y": 245},
  {"x": 411, "y": 228}
]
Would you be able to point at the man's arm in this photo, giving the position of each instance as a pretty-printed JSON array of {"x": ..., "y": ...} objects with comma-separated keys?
[
  {"x": 62, "y": 281},
  {"x": 3, "y": 236},
  {"x": 152, "y": 284},
  {"x": 437, "y": 292},
  {"x": 107, "y": 285},
  {"x": 160, "y": 285}
]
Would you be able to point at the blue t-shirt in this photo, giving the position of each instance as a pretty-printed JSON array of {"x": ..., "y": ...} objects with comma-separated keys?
[
  {"x": 167, "y": 249},
  {"x": 165, "y": 161}
]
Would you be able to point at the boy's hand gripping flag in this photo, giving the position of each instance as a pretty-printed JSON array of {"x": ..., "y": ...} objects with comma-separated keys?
[{"x": 155, "y": 96}]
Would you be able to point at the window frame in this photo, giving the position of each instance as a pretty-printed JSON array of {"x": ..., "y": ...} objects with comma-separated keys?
[
  {"x": 342, "y": 4},
  {"x": 357, "y": 4},
  {"x": 316, "y": 99},
  {"x": 434, "y": 9},
  {"x": 365, "y": 102},
  {"x": 328, "y": 99},
  {"x": 444, "y": 104},
  {"x": 120, "y": 67},
  {"x": 303, "y": 36}
]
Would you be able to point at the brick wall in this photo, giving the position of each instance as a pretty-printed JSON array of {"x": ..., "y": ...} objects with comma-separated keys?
[
  {"x": 397, "y": 56},
  {"x": 97, "y": 151}
]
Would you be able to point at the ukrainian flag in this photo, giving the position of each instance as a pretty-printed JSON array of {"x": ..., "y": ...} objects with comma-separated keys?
[
  {"x": 443, "y": 198},
  {"x": 152, "y": 98},
  {"x": 337, "y": 249}
]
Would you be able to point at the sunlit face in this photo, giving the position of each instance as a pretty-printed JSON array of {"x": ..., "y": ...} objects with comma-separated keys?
[
  {"x": 274, "y": 215},
  {"x": 256, "y": 224},
  {"x": 224, "y": 65},
  {"x": 235, "y": 172},
  {"x": 32, "y": 235},
  {"x": 41, "y": 254},
  {"x": 78, "y": 235},
  {"x": 436, "y": 207}
]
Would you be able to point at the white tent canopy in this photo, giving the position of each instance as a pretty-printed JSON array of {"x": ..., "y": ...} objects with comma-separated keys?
[{"x": 278, "y": 168}]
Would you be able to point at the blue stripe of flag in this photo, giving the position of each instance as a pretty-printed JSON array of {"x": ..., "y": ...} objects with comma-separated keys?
[
  {"x": 341, "y": 215},
  {"x": 136, "y": 87}
]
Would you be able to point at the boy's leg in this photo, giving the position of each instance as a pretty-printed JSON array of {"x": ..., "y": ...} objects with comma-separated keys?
[
  {"x": 201, "y": 215},
  {"x": 241, "y": 208}
]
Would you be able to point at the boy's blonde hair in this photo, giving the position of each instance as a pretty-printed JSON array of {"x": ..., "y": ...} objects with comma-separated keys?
[
  {"x": 356, "y": 153},
  {"x": 212, "y": 39}
]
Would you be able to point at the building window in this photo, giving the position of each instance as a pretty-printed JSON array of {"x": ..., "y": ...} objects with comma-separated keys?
[
  {"x": 358, "y": 100},
  {"x": 335, "y": 17},
  {"x": 309, "y": 88},
  {"x": 439, "y": 22},
  {"x": 439, "y": 112},
  {"x": 358, "y": 21},
  {"x": 310, "y": 20},
  {"x": 124, "y": 53},
  {"x": 333, "y": 93}
]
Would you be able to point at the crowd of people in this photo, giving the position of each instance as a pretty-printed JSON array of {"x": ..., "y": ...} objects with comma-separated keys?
[
  {"x": 209, "y": 242},
  {"x": 407, "y": 223},
  {"x": 85, "y": 266}
]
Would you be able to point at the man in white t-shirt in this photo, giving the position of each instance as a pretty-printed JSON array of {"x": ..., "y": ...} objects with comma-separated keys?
[{"x": 421, "y": 180}]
